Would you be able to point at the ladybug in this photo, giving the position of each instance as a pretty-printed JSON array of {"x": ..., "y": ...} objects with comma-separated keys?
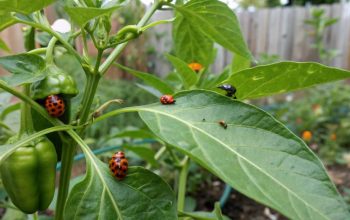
[
  {"x": 230, "y": 90},
  {"x": 223, "y": 124},
  {"x": 118, "y": 165},
  {"x": 195, "y": 67},
  {"x": 167, "y": 100},
  {"x": 54, "y": 105}
]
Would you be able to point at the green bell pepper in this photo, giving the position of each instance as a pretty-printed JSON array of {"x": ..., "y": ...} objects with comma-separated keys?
[{"x": 28, "y": 175}]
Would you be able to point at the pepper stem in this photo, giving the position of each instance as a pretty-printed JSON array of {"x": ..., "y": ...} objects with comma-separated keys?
[
  {"x": 50, "y": 50},
  {"x": 26, "y": 127}
]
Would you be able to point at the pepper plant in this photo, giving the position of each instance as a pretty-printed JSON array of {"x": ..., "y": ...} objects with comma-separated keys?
[{"x": 239, "y": 143}]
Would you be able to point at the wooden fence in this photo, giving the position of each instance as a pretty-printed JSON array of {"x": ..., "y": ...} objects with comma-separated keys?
[{"x": 276, "y": 31}]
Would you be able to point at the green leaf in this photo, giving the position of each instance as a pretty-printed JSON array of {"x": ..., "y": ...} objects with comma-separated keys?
[
  {"x": 3, "y": 46},
  {"x": 23, "y": 6},
  {"x": 191, "y": 45},
  {"x": 100, "y": 195},
  {"x": 143, "y": 152},
  {"x": 239, "y": 63},
  {"x": 256, "y": 154},
  {"x": 26, "y": 68},
  {"x": 188, "y": 76},
  {"x": 149, "y": 79},
  {"x": 82, "y": 15},
  {"x": 282, "y": 77},
  {"x": 218, "y": 22}
]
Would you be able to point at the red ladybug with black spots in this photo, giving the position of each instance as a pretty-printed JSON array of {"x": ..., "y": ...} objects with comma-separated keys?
[
  {"x": 167, "y": 100},
  {"x": 118, "y": 165},
  {"x": 55, "y": 106}
]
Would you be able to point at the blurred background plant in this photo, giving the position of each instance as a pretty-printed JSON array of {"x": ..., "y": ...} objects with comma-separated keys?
[{"x": 319, "y": 22}]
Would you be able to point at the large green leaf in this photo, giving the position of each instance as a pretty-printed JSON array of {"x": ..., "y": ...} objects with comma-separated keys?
[
  {"x": 81, "y": 15},
  {"x": 142, "y": 194},
  {"x": 188, "y": 76},
  {"x": 218, "y": 22},
  {"x": 149, "y": 79},
  {"x": 191, "y": 45},
  {"x": 256, "y": 154},
  {"x": 282, "y": 77},
  {"x": 26, "y": 68},
  {"x": 23, "y": 6}
]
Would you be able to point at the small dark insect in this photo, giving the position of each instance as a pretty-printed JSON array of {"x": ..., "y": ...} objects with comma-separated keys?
[
  {"x": 167, "y": 100},
  {"x": 203, "y": 120},
  {"x": 118, "y": 165},
  {"x": 223, "y": 124},
  {"x": 54, "y": 105},
  {"x": 230, "y": 90}
]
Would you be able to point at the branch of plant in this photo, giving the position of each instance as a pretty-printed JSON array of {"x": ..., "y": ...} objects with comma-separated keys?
[
  {"x": 182, "y": 184},
  {"x": 53, "y": 33},
  {"x": 119, "y": 48},
  {"x": 50, "y": 50}
]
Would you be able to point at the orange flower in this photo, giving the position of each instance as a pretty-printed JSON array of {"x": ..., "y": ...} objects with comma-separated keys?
[
  {"x": 333, "y": 137},
  {"x": 195, "y": 67},
  {"x": 306, "y": 136}
]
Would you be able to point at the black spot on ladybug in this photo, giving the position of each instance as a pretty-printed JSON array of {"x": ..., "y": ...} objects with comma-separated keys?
[
  {"x": 223, "y": 124},
  {"x": 230, "y": 90}
]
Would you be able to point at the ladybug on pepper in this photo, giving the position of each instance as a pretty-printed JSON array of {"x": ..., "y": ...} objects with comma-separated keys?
[
  {"x": 118, "y": 165},
  {"x": 167, "y": 100},
  {"x": 54, "y": 105},
  {"x": 230, "y": 90}
]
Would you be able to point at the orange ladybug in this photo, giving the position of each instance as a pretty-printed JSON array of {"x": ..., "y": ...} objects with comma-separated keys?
[
  {"x": 195, "y": 67},
  {"x": 54, "y": 106},
  {"x": 167, "y": 100},
  {"x": 118, "y": 165}
]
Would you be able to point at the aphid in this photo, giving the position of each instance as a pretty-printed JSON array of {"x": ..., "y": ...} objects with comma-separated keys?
[
  {"x": 118, "y": 165},
  {"x": 203, "y": 120},
  {"x": 195, "y": 67},
  {"x": 223, "y": 124},
  {"x": 54, "y": 105},
  {"x": 230, "y": 90},
  {"x": 167, "y": 100}
]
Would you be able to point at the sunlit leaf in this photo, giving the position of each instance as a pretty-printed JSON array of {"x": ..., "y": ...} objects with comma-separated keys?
[
  {"x": 282, "y": 77},
  {"x": 25, "y": 68},
  {"x": 218, "y": 22},
  {"x": 23, "y": 6},
  {"x": 81, "y": 15}
]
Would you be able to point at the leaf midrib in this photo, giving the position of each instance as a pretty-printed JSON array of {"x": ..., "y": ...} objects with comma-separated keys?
[{"x": 238, "y": 155}]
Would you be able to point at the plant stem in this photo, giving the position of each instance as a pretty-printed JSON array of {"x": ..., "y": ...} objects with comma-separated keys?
[
  {"x": 26, "y": 116},
  {"x": 182, "y": 185},
  {"x": 55, "y": 34},
  {"x": 38, "y": 51},
  {"x": 116, "y": 52},
  {"x": 50, "y": 50}
]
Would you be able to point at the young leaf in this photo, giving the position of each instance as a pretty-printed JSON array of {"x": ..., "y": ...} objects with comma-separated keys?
[
  {"x": 26, "y": 68},
  {"x": 149, "y": 79},
  {"x": 255, "y": 154},
  {"x": 191, "y": 44},
  {"x": 23, "y": 6},
  {"x": 82, "y": 15},
  {"x": 218, "y": 22},
  {"x": 188, "y": 76},
  {"x": 100, "y": 195},
  {"x": 3, "y": 46},
  {"x": 282, "y": 77}
]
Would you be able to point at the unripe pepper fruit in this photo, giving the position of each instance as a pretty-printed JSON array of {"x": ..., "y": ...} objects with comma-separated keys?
[{"x": 28, "y": 175}]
